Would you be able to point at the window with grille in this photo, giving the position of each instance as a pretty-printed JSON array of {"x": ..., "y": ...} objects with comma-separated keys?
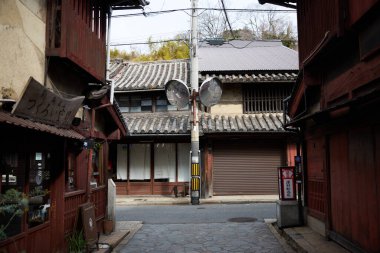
[
  {"x": 146, "y": 103},
  {"x": 265, "y": 98}
]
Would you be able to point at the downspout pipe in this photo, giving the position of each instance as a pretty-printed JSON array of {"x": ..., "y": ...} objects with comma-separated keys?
[
  {"x": 108, "y": 59},
  {"x": 297, "y": 162}
]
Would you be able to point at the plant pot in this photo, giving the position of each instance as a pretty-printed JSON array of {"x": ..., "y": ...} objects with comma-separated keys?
[
  {"x": 108, "y": 226},
  {"x": 36, "y": 200}
]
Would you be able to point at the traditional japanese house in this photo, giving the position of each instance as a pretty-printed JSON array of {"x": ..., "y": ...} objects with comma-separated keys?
[
  {"x": 242, "y": 138},
  {"x": 154, "y": 159},
  {"x": 56, "y": 119},
  {"x": 336, "y": 105}
]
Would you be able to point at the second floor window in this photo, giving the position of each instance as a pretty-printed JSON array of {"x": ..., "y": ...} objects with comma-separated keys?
[
  {"x": 135, "y": 103},
  {"x": 265, "y": 98},
  {"x": 146, "y": 103}
]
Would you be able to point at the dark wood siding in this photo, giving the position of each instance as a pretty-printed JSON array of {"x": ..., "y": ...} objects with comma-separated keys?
[
  {"x": 355, "y": 194},
  {"x": 319, "y": 17},
  {"x": 358, "y": 8},
  {"x": 76, "y": 29},
  {"x": 316, "y": 183},
  {"x": 246, "y": 168}
]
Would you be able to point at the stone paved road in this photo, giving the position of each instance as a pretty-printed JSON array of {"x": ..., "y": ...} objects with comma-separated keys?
[
  {"x": 213, "y": 237},
  {"x": 214, "y": 232}
]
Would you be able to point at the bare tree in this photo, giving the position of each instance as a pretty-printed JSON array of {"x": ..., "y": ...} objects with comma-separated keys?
[
  {"x": 271, "y": 25},
  {"x": 254, "y": 26},
  {"x": 211, "y": 25}
]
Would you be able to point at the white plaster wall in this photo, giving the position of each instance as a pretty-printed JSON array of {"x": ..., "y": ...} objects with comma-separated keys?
[
  {"x": 231, "y": 101},
  {"x": 22, "y": 43}
]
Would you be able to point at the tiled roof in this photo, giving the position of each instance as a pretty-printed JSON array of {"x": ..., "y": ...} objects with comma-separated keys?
[
  {"x": 123, "y": 82},
  {"x": 13, "y": 120},
  {"x": 147, "y": 75},
  {"x": 253, "y": 78},
  {"x": 241, "y": 123},
  {"x": 259, "y": 61},
  {"x": 170, "y": 123},
  {"x": 238, "y": 55},
  {"x": 178, "y": 123}
]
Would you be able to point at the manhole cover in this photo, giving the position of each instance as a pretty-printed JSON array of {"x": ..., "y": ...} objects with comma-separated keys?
[
  {"x": 201, "y": 208},
  {"x": 242, "y": 219}
]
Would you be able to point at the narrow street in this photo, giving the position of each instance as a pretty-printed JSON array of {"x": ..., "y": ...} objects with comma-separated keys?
[{"x": 204, "y": 228}]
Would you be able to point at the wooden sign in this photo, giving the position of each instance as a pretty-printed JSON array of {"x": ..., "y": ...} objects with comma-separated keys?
[
  {"x": 88, "y": 221},
  {"x": 42, "y": 105}
]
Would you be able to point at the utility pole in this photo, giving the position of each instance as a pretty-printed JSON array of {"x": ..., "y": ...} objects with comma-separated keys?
[
  {"x": 210, "y": 92},
  {"x": 195, "y": 168}
]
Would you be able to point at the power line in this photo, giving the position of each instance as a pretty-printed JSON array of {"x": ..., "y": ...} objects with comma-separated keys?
[
  {"x": 185, "y": 40},
  {"x": 144, "y": 43},
  {"x": 227, "y": 20},
  {"x": 203, "y": 9}
]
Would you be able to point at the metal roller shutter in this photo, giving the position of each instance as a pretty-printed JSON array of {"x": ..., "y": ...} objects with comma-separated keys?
[{"x": 241, "y": 169}]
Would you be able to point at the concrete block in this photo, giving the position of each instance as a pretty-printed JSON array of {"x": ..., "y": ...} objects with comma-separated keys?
[{"x": 287, "y": 213}]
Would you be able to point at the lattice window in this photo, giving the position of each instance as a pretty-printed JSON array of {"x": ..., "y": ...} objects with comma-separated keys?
[
  {"x": 146, "y": 103},
  {"x": 265, "y": 98}
]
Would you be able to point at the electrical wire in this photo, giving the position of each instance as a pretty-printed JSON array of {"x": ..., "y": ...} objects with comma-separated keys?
[
  {"x": 152, "y": 13},
  {"x": 227, "y": 20},
  {"x": 185, "y": 41},
  {"x": 145, "y": 43}
]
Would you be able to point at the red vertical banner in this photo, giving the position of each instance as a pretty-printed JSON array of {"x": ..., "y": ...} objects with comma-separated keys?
[{"x": 287, "y": 183}]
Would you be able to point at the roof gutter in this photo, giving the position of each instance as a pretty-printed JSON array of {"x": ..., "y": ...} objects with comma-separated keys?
[
  {"x": 130, "y": 91},
  {"x": 287, "y": 4},
  {"x": 118, "y": 5}
]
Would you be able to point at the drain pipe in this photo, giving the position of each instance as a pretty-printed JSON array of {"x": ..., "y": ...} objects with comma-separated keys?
[
  {"x": 298, "y": 160},
  {"x": 112, "y": 90}
]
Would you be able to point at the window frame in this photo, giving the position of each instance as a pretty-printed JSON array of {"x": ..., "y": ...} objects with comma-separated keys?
[
  {"x": 265, "y": 98},
  {"x": 125, "y": 101}
]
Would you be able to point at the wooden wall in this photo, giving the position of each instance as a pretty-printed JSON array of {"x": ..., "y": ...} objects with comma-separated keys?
[
  {"x": 316, "y": 180},
  {"x": 315, "y": 18},
  {"x": 357, "y": 9},
  {"x": 76, "y": 29},
  {"x": 355, "y": 177}
]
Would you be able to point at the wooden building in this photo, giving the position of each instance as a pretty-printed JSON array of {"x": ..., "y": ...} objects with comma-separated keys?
[
  {"x": 336, "y": 105},
  {"x": 242, "y": 139},
  {"x": 56, "y": 119}
]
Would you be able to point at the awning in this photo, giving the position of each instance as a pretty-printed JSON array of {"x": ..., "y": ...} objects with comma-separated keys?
[{"x": 13, "y": 120}]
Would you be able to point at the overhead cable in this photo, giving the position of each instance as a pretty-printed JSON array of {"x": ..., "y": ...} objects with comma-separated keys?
[
  {"x": 144, "y": 43},
  {"x": 227, "y": 20},
  {"x": 201, "y": 9}
]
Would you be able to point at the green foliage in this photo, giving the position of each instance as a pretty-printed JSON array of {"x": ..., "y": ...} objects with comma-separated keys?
[
  {"x": 38, "y": 191},
  {"x": 169, "y": 50},
  {"x": 76, "y": 242},
  {"x": 120, "y": 54},
  {"x": 12, "y": 203}
]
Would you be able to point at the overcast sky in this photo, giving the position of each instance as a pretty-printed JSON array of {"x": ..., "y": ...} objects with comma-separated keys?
[{"x": 166, "y": 26}]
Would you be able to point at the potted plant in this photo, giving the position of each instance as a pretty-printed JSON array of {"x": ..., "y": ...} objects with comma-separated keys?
[
  {"x": 108, "y": 225},
  {"x": 36, "y": 196}
]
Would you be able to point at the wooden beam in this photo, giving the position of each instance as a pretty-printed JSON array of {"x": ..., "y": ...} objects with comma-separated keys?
[
  {"x": 354, "y": 78},
  {"x": 115, "y": 135},
  {"x": 293, "y": 107}
]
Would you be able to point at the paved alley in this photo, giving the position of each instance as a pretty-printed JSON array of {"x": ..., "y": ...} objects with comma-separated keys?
[{"x": 205, "y": 228}]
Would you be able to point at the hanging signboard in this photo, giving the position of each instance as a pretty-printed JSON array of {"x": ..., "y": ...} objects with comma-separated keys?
[
  {"x": 42, "y": 105},
  {"x": 286, "y": 183}
]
